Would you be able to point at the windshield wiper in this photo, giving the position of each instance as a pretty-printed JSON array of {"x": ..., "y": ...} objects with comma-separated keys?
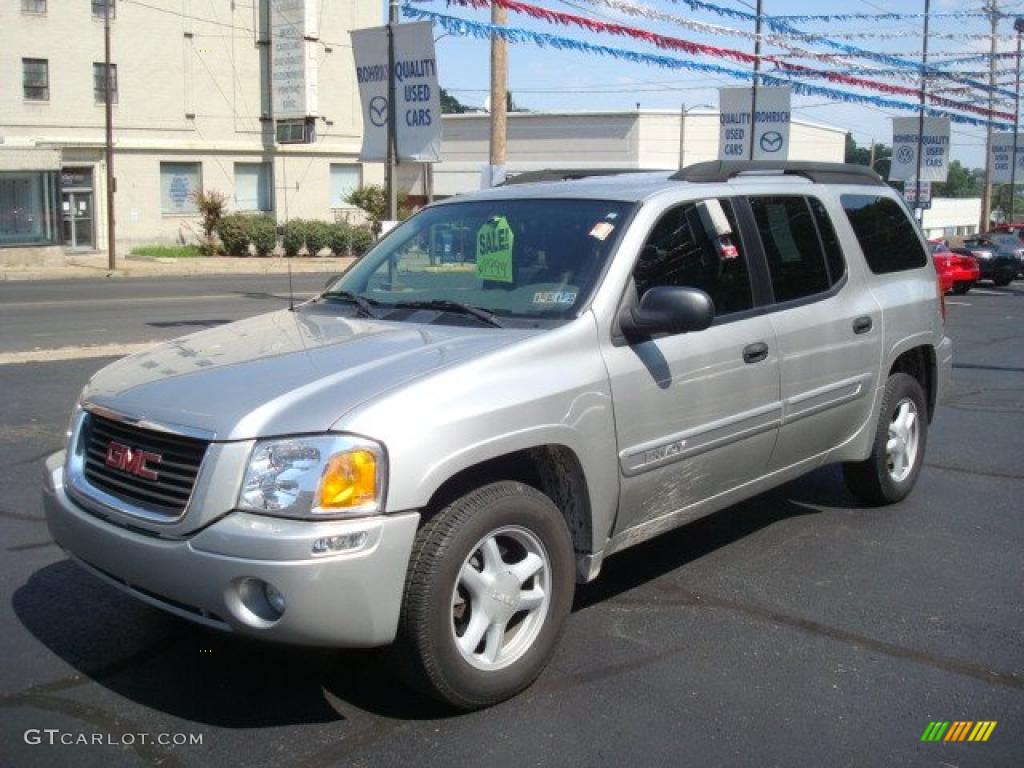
[
  {"x": 446, "y": 305},
  {"x": 365, "y": 305}
]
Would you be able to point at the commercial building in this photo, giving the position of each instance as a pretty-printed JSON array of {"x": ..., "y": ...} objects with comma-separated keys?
[
  {"x": 642, "y": 139},
  {"x": 206, "y": 96},
  {"x": 951, "y": 217}
]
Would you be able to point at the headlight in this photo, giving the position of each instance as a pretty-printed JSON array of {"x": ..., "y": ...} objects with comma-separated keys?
[{"x": 315, "y": 477}]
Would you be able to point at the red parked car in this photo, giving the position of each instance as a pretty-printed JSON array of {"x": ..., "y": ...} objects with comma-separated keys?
[{"x": 957, "y": 272}]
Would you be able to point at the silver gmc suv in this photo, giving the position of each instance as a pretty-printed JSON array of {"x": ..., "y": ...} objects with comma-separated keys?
[{"x": 510, "y": 387}]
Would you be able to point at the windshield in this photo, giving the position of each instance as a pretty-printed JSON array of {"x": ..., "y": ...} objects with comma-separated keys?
[{"x": 526, "y": 259}]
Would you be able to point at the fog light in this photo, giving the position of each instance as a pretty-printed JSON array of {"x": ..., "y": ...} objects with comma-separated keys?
[
  {"x": 331, "y": 544},
  {"x": 274, "y": 598}
]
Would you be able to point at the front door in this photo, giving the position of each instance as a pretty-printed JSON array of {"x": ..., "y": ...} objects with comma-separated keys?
[
  {"x": 77, "y": 213},
  {"x": 696, "y": 414}
]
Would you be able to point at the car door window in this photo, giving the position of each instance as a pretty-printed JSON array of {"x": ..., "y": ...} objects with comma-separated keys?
[
  {"x": 696, "y": 245},
  {"x": 792, "y": 246}
]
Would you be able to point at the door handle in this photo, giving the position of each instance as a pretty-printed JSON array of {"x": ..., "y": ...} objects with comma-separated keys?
[
  {"x": 862, "y": 324},
  {"x": 755, "y": 353}
]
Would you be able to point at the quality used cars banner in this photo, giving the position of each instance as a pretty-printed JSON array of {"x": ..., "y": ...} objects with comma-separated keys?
[
  {"x": 417, "y": 97},
  {"x": 771, "y": 127}
]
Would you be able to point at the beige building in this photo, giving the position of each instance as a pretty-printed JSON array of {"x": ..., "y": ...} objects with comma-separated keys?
[
  {"x": 201, "y": 98},
  {"x": 642, "y": 139}
]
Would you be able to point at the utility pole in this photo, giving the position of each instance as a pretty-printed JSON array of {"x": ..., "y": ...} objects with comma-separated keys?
[
  {"x": 920, "y": 121},
  {"x": 392, "y": 157},
  {"x": 682, "y": 133},
  {"x": 111, "y": 181},
  {"x": 986, "y": 198},
  {"x": 757, "y": 73},
  {"x": 871, "y": 157},
  {"x": 499, "y": 94},
  {"x": 1018, "y": 26}
]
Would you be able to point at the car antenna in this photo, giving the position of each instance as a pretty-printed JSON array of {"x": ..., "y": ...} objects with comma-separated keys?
[{"x": 291, "y": 293}]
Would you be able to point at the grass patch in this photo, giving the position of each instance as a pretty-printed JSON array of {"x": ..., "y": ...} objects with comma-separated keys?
[{"x": 167, "y": 251}]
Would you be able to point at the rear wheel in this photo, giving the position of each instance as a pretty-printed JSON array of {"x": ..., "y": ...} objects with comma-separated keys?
[
  {"x": 889, "y": 473},
  {"x": 1002, "y": 282},
  {"x": 961, "y": 289},
  {"x": 489, "y": 587}
]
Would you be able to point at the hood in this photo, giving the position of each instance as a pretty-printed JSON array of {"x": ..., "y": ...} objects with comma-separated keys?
[{"x": 284, "y": 372}]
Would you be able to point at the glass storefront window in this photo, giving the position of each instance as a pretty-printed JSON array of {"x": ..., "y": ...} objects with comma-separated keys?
[
  {"x": 177, "y": 183},
  {"x": 28, "y": 208}
]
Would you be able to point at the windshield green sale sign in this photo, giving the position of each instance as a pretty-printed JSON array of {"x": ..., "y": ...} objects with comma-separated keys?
[{"x": 494, "y": 251}]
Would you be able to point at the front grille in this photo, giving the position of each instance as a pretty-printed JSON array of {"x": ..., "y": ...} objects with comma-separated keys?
[{"x": 176, "y": 471}]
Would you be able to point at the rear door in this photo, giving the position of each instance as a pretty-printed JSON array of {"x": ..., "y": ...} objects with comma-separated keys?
[{"x": 827, "y": 327}]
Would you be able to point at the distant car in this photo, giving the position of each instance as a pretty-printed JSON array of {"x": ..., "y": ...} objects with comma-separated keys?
[
  {"x": 998, "y": 259},
  {"x": 957, "y": 272},
  {"x": 1013, "y": 241}
]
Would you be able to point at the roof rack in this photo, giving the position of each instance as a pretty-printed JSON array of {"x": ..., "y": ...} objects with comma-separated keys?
[
  {"x": 565, "y": 174},
  {"x": 821, "y": 173}
]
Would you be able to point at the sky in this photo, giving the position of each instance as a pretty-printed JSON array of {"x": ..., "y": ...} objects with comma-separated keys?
[{"x": 545, "y": 79}]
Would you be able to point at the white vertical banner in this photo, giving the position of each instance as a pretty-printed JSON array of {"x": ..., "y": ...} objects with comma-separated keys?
[
  {"x": 1002, "y": 151},
  {"x": 934, "y": 142},
  {"x": 294, "y": 28},
  {"x": 770, "y": 126},
  {"x": 417, "y": 95}
]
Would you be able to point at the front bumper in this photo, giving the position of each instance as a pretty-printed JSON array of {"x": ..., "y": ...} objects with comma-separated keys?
[{"x": 214, "y": 577}]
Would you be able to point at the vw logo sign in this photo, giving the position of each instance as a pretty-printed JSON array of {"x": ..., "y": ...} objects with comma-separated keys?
[
  {"x": 905, "y": 154},
  {"x": 771, "y": 141},
  {"x": 379, "y": 111}
]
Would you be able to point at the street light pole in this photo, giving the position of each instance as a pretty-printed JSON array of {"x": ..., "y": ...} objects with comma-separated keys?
[
  {"x": 108, "y": 106},
  {"x": 1018, "y": 25}
]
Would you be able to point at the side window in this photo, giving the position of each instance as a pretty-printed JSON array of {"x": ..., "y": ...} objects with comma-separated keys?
[
  {"x": 829, "y": 241},
  {"x": 795, "y": 258},
  {"x": 886, "y": 235},
  {"x": 695, "y": 245}
]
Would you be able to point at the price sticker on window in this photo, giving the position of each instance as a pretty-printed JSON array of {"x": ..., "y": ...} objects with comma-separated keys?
[{"x": 494, "y": 242}]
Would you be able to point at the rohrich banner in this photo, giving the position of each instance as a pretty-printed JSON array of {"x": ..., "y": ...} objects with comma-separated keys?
[
  {"x": 293, "y": 61},
  {"x": 417, "y": 96},
  {"x": 934, "y": 142},
  {"x": 1002, "y": 151},
  {"x": 771, "y": 126}
]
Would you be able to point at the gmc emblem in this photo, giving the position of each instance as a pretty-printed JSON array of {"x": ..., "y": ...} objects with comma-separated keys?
[{"x": 133, "y": 461}]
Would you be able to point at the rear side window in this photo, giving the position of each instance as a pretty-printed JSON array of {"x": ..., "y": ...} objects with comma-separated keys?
[
  {"x": 792, "y": 246},
  {"x": 885, "y": 233}
]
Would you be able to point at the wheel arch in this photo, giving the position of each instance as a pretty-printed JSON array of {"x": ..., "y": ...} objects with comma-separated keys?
[{"x": 919, "y": 363}]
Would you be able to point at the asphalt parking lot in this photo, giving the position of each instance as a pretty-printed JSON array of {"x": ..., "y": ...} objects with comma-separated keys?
[{"x": 794, "y": 629}]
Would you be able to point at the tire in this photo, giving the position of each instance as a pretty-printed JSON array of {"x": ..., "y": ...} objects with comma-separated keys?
[
  {"x": 442, "y": 604},
  {"x": 882, "y": 478},
  {"x": 961, "y": 289},
  {"x": 1001, "y": 282}
]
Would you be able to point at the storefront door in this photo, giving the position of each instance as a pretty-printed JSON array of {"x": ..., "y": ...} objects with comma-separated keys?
[{"x": 77, "y": 207}]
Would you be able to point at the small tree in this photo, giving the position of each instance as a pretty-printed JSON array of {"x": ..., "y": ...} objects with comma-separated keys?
[
  {"x": 211, "y": 207},
  {"x": 372, "y": 200}
]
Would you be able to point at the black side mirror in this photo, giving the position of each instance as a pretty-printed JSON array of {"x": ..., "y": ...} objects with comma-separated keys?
[{"x": 668, "y": 309}]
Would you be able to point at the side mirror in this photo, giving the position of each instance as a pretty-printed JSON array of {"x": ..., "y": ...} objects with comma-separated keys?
[{"x": 668, "y": 309}]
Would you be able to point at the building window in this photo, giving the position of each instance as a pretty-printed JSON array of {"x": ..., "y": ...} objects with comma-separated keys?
[
  {"x": 99, "y": 6},
  {"x": 33, "y": 6},
  {"x": 36, "y": 79},
  {"x": 252, "y": 187},
  {"x": 177, "y": 183},
  {"x": 344, "y": 180},
  {"x": 28, "y": 208},
  {"x": 99, "y": 83}
]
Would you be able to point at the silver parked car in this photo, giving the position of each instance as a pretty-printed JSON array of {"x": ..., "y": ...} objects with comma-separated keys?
[{"x": 510, "y": 387}]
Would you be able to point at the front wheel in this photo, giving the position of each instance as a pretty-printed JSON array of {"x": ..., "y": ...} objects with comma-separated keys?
[
  {"x": 889, "y": 473},
  {"x": 961, "y": 289},
  {"x": 489, "y": 587}
]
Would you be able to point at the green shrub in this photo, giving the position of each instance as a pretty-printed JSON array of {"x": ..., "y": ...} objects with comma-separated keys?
[
  {"x": 263, "y": 233},
  {"x": 340, "y": 238},
  {"x": 234, "y": 232},
  {"x": 211, "y": 206},
  {"x": 294, "y": 237},
  {"x": 361, "y": 240},
  {"x": 318, "y": 236}
]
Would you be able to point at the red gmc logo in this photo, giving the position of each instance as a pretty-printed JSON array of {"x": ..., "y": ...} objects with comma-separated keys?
[{"x": 133, "y": 461}]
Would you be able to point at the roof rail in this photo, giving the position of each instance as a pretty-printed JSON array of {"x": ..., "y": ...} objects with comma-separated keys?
[
  {"x": 565, "y": 174},
  {"x": 821, "y": 173}
]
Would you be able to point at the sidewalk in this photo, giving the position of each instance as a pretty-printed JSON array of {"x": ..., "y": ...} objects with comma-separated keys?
[{"x": 95, "y": 265}]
